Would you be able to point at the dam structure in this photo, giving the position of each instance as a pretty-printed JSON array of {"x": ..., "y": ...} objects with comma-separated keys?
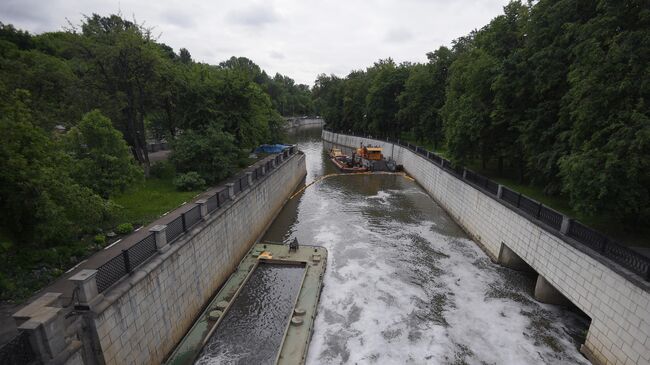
[{"x": 607, "y": 283}]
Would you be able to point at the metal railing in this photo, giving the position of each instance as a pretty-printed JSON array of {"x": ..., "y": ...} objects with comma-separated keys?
[
  {"x": 123, "y": 264},
  {"x": 18, "y": 351},
  {"x": 535, "y": 211},
  {"x": 175, "y": 228}
]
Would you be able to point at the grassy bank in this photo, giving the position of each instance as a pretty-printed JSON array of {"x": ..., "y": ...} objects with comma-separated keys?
[{"x": 146, "y": 202}]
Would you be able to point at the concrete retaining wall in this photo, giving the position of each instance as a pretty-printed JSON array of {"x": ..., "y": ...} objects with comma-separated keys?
[
  {"x": 619, "y": 309},
  {"x": 140, "y": 320}
]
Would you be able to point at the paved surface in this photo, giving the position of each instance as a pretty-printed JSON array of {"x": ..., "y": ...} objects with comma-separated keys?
[{"x": 159, "y": 156}]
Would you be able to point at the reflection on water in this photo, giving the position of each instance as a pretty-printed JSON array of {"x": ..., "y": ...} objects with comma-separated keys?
[
  {"x": 252, "y": 329},
  {"x": 404, "y": 284}
]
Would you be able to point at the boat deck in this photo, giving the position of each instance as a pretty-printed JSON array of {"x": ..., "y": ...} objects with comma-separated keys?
[{"x": 297, "y": 323}]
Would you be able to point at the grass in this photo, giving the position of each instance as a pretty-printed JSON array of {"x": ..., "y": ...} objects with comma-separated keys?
[
  {"x": 146, "y": 202},
  {"x": 607, "y": 224}
]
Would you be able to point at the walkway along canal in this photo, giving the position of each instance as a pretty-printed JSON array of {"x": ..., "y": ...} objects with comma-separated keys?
[{"x": 404, "y": 284}]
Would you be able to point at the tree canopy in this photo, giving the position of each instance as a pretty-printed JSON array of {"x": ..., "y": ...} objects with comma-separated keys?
[{"x": 554, "y": 90}]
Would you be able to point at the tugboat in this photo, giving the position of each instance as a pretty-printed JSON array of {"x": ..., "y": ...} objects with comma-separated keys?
[
  {"x": 345, "y": 163},
  {"x": 372, "y": 159}
]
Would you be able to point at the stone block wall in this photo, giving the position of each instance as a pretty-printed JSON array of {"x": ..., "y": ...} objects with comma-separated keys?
[
  {"x": 141, "y": 319},
  {"x": 619, "y": 308}
]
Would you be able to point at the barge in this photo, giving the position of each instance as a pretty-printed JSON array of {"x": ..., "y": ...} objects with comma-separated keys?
[
  {"x": 263, "y": 314},
  {"x": 345, "y": 163},
  {"x": 372, "y": 158}
]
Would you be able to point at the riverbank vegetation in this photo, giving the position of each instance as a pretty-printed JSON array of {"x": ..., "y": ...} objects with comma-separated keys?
[
  {"x": 78, "y": 109},
  {"x": 550, "y": 95}
]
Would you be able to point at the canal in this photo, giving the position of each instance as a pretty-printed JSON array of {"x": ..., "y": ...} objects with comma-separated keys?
[{"x": 404, "y": 284}]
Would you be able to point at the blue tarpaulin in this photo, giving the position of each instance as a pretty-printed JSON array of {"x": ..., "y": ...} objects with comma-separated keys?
[{"x": 271, "y": 148}]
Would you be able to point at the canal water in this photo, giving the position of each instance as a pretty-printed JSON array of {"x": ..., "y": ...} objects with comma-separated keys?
[
  {"x": 252, "y": 329},
  {"x": 404, "y": 284}
]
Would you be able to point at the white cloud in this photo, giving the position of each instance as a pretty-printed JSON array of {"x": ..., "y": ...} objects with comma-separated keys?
[
  {"x": 255, "y": 15},
  {"x": 298, "y": 38}
]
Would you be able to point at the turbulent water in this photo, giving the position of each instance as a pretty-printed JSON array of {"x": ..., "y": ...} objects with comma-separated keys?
[
  {"x": 251, "y": 331},
  {"x": 404, "y": 284}
]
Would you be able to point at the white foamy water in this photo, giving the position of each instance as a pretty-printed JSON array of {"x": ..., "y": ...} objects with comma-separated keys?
[{"x": 404, "y": 285}]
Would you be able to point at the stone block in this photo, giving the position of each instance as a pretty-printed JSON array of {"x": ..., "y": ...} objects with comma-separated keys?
[{"x": 86, "y": 285}]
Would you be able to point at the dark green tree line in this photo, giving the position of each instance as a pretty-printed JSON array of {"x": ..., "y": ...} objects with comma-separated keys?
[{"x": 554, "y": 92}]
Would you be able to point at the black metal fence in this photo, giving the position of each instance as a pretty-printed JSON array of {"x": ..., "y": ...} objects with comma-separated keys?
[
  {"x": 121, "y": 265},
  {"x": 174, "y": 229},
  {"x": 536, "y": 211},
  {"x": 18, "y": 351}
]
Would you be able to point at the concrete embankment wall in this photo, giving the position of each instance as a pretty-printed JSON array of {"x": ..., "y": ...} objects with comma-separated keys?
[
  {"x": 619, "y": 309},
  {"x": 140, "y": 320}
]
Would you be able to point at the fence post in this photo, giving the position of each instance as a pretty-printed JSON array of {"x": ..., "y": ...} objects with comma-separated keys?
[
  {"x": 160, "y": 236},
  {"x": 203, "y": 204},
  {"x": 539, "y": 210},
  {"x": 566, "y": 224},
  {"x": 518, "y": 200},
  {"x": 85, "y": 285},
  {"x": 183, "y": 221},
  {"x": 249, "y": 176},
  {"x": 442, "y": 163},
  {"x": 464, "y": 173},
  {"x": 231, "y": 190},
  {"x": 263, "y": 170},
  {"x": 500, "y": 191},
  {"x": 428, "y": 153},
  {"x": 46, "y": 331},
  {"x": 127, "y": 261},
  {"x": 273, "y": 163}
]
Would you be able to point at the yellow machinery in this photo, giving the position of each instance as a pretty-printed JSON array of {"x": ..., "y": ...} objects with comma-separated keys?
[{"x": 370, "y": 153}]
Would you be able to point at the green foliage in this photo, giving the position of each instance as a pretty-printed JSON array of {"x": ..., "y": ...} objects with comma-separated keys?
[
  {"x": 124, "y": 228},
  {"x": 100, "y": 239},
  {"x": 189, "y": 181},
  {"x": 103, "y": 160},
  {"x": 210, "y": 152},
  {"x": 553, "y": 91},
  {"x": 114, "y": 87},
  {"x": 163, "y": 170},
  {"x": 40, "y": 201}
]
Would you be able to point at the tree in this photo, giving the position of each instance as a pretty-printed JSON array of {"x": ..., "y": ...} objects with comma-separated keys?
[
  {"x": 210, "y": 152},
  {"x": 424, "y": 95},
  {"x": 123, "y": 57},
  {"x": 103, "y": 161},
  {"x": 467, "y": 121},
  {"x": 40, "y": 202},
  {"x": 387, "y": 82},
  {"x": 608, "y": 166}
]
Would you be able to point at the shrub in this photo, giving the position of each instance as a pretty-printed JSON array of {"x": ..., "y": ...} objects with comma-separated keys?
[
  {"x": 189, "y": 181},
  {"x": 100, "y": 239},
  {"x": 162, "y": 170},
  {"x": 124, "y": 228}
]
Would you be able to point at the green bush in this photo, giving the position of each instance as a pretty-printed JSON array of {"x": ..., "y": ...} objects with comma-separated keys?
[
  {"x": 189, "y": 181},
  {"x": 162, "y": 170},
  {"x": 100, "y": 239},
  {"x": 124, "y": 228}
]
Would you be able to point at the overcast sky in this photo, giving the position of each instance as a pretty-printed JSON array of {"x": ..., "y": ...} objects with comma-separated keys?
[{"x": 300, "y": 39}]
